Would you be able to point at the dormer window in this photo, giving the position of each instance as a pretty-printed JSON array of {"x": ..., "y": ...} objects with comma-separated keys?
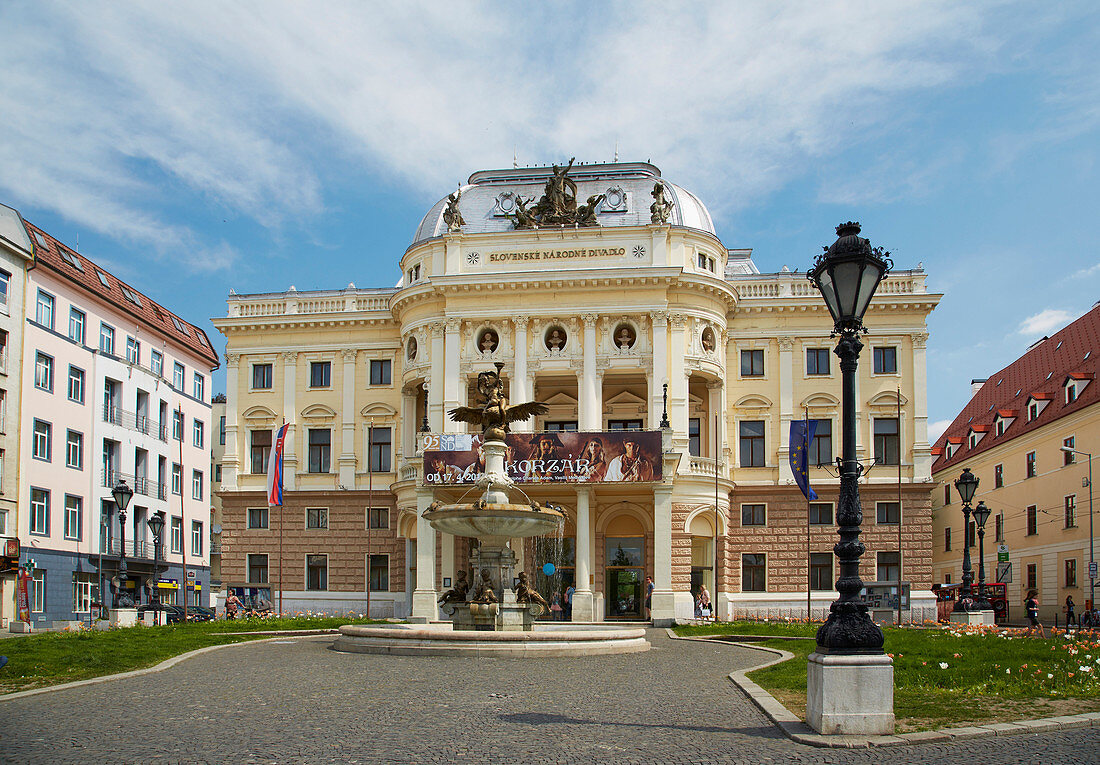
[
  {"x": 1036, "y": 403},
  {"x": 1074, "y": 385},
  {"x": 1071, "y": 391},
  {"x": 414, "y": 274},
  {"x": 1033, "y": 411},
  {"x": 130, "y": 295},
  {"x": 1004, "y": 418},
  {"x": 705, "y": 262}
]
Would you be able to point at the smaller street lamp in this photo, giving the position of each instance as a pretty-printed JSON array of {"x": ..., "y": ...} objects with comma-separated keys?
[
  {"x": 981, "y": 515},
  {"x": 1092, "y": 546},
  {"x": 156, "y": 525},
  {"x": 966, "y": 485},
  {"x": 121, "y": 494}
]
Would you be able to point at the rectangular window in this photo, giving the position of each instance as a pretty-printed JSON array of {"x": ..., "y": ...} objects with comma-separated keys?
[
  {"x": 197, "y": 490},
  {"x": 821, "y": 571},
  {"x": 177, "y": 534},
  {"x": 316, "y": 572},
  {"x": 5, "y": 287},
  {"x": 177, "y": 425},
  {"x": 380, "y": 442},
  {"x": 1071, "y": 511},
  {"x": 319, "y": 447},
  {"x": 83, "y": 587},
  {"x": 38, "y": 591},
  {"x": 260, "y": 450},
  {"x": 198, "y": 387},
  {"x": 74, "y": 450},
  {"x": 380, "y": 372},
  {"x": 998, "y": 476},
  {"x": 379, "y": 573},
  {"x": 694, "y": 437},
  {"x": 378, "y": 518},
  {"x": 107, "y": 339},
  {"x": 1032, "y": 575},
  {"x": 887, "y": 441},
  {"x": 43, "y": 372},
  {"x": 752, "y": 443},
  {"x": 196, "y": 539},
  {"x": 888, "y": 567},
  {"x": 560, "y": 426},
  {"x": 178, "y": 373},
  {"x": 970, "y": 535},
  {"x": 1071, "y": 392},
  {"x": 316, "y": 518},
  {"x": 257, "y": 517},
  {"x": 41, "y": 439},
  {"x": 44, "y": 312},
  {"x": 77, "y": 320},
  {"x": 1071, "y": 572},
  {"x": 197, "y": 433},
  {"x": 1032, "y": 469},
  {"x": 76, "y": 385},
  {"x": 74, "y": 517},
  {"x": 133, "y": 350},
  {"x": 817, "y": 361},
  {"x": 177, "y": 478},
  {"x": 1032, "y": 411},
  {"x": 156, "y": 363},
  {"x": 257, "y": 569},
  {"x": 999, "y": 528},
  {"x": 624, "y": 424},
  {"x": 320, "y": 374},
  {"x": 221, "y": 430},
  {"x": 1068, "y": 458},
  {"x": 886, "y": 360},
  {"x": 947, "y": 494},
  {"x": 821, "y": 448},
  {"x": 888, "y": 512},
  {"x": 821, "y": 513},
  {"x": 40, "y": 511},
  {"x": 753, "y": 572},
  {"x": 261, "y": 376},
  {"x": 947, "y": 539},
  {"x": 1032, "y": 520},
  {"x": 752, "y": 363},
  {"x": 753, "y": 515}
]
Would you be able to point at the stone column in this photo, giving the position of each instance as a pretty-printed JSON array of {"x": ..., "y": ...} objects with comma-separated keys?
[
  {"x": 346, "y": 461},
  {"x": 454, "y": 389},
  {"x": 678, "y": 383},
  {"x": 714, "y": 410},
  {"x": 424, "y": 605},
  {"x": 583, "y": 602},
  {"x": 435, "y": 387},
  {"x": 409, "y": 423},
  {"x": 659, "y": 375},
  {"x": 786, "y": 408},
  {"x": 663, "y": 609},
  {"x": 519, "y": 390},
  {"x": 290, "y": 448},
  {"x": 922, "y": 452},
  {"x": 590, "y": 393},
  {"x": 231, "y": 461}
]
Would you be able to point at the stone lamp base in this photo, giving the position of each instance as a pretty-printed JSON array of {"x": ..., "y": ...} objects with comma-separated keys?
[
  {"x": 973, "y": 618},
  {"x": 850, "y": 694}
]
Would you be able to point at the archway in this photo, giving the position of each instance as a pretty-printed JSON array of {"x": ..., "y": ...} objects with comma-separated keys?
[{"x": 624, "y": 567}]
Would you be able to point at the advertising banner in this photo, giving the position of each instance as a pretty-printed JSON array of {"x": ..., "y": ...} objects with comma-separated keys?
[
  {"x": 22, "y": 596},
  {"x": 616, "y": 456}
]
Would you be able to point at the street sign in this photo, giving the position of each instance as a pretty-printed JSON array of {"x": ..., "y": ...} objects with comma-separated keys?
[
  {"x": 190, "y": 574},
  {"x": 1004, "y": 572},
  {"x": 1002, "y": 553},
  {"x": 1092, "y": 569}
]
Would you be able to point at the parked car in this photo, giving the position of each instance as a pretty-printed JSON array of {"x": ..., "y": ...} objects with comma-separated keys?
[
  {"x": 200, "y": 613},
  {"x": 168, "y": 614}
]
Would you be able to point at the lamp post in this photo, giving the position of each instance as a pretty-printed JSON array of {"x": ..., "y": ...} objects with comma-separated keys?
[
  {"x": 121, "y": 494},
  {"x": 966, "y": 485},
  {"x": 156, "y": 525},
  {"x": 981, "y": 515},
  {"x": 1092, "y": 548},
  {"x": 847, "y": 275}
]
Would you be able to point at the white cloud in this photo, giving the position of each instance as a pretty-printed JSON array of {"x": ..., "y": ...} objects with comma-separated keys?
[
  {"x": 1045, "y": 322},
  {"x": 936, "y": 429},
  {"x": 112, "y": 112},
  {"x": 1086, "y": 272}
]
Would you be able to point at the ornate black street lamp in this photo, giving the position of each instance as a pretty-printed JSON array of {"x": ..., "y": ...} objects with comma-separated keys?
[
  {"x": 981, "y": 515},
  {"x": 121, "y": 495},
  {"x": 156, "y": 525},
  {"x": 847, "y": 275},
  {"x": 966, "y": 485}
]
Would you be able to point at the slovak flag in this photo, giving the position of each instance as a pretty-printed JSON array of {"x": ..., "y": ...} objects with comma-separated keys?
[{"x": 275, "y": 469}]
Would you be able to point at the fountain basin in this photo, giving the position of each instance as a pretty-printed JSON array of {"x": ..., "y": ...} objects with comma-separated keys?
[
  {"x": 494, "y": 523},
  {"x": 440, "y": 640}
]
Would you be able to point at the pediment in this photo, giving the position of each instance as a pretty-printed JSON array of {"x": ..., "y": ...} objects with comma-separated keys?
[
  {"x": 626, "y": 398},
  {"x": 378, "y": 409},
  {"x": 820, "y": 400},
  {"x": 753, "y": 401},
  {"x": 318, "y": 412},
  {"x": 258, "y": 413},
  {"x": 888, "y": 398},
  {"x": 561, "y": 398}
]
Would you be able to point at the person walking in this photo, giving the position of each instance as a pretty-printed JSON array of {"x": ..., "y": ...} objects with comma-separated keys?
[
  {"x": 569, "y": 591},
  {"x": 232, "y": 605},
  {"x": 1031, "y": 606},
  {"x": 1070, "y": 615},
  {"x": 649, "y": 597},
  {"x": 704, "y": 602}
]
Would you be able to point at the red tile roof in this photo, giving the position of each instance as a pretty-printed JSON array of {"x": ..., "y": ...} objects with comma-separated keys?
[
  {"x": 1038, "y": 375},
  {"x": 50, "y": 253}
]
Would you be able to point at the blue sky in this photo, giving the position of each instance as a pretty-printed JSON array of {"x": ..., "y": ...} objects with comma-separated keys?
[{"x": 197, "y": 149}]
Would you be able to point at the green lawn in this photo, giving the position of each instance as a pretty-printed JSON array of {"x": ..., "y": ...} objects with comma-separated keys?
[
  {"x": 952, "y": 677},
  {"x": 58, "y": 657}
]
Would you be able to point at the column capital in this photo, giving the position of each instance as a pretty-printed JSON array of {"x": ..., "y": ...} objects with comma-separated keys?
[
  {"x": 232, "y": 360},
  {"x": 289, "y": 357},
  {"x": 585, "y": 491},
  {"x": 715, "y": 385},
  {"x": 785, "y": 344},
  {"x": 678, "y": 320},
  {"x": 920, "y": 339},
  {"x": 348, "y": 354},
  {"x": 436, "y": 328},
  {"x": 589, "y": 319},
  {"x": 521, "y": 321},
  {"x": 452, "y": 325},
  {"x": 658, "y": 316}
]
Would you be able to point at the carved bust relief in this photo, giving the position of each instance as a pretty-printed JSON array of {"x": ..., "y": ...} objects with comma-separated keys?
[
  {"x": 555, "y": 339},
  {"x": 410, "y": 349},
  {"x": 487, "y": 342},
  {"x": 708, "y": 340},
  {"x": 625, "y": 336}
]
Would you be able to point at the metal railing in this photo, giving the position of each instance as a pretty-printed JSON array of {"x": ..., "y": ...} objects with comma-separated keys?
[
  {"x": 138, "y": 549},
  {"x": 142, "y": 485},
  {"x": 142, "y": 423}
]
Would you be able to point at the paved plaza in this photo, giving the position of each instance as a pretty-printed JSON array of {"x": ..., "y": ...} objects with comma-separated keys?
[{"x": 298, "y": 701}]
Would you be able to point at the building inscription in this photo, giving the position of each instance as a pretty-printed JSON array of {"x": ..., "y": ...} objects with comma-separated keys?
[{"x": 597, "y": 252}]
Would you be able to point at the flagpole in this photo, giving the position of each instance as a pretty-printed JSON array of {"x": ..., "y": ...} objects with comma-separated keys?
[
  {"x": 370, "y": 501},
  {"x": 717, "y": 446},
  {"x": 809, "y": 569},
  {"x": 282, "y": 519},
  {"x": 899, "y": 504},
  {"x": 183, "y": 524}
]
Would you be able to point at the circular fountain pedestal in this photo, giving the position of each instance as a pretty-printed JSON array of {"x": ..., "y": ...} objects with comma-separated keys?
[{"x": 442, "y": 640}]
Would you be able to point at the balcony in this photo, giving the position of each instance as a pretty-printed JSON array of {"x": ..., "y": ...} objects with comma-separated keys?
[
  {"x": 141, "y": 550},
  {"x": 140, "y": 484},
  {"x": 133, "y": 421}
]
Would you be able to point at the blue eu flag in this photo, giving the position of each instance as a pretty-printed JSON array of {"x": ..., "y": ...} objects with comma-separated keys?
[{"x": 802, "y": 433}]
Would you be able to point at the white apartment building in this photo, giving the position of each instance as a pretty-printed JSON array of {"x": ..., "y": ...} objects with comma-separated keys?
[{"x": 115, "y": 388}]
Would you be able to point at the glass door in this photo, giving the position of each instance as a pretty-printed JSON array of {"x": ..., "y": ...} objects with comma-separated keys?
[{"x": 624, "y": 576}]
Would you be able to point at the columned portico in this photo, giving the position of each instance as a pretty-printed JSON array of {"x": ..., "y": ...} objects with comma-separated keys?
[
  {"x": 519, "y": 381},
  {"x": 583, "y": 600},
  {"x": 663, "y": 608},
  {"x": 424, "y": 605}
]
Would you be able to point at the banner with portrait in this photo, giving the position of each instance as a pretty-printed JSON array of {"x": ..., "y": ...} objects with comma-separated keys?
[{"x": 615, "y": 456}]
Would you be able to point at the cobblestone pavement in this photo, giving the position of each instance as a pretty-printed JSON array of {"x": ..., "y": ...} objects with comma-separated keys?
[{"x": 298, "y": 701}]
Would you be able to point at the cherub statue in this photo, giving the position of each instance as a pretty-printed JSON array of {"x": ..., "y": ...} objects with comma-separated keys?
[
  {"x": 586, "y": 213},
  {"x": 495, "y": 415},
  {"x": 451, "y": 215},
  {"x": 484, "y": 593},
  {"x": 524, "y": 218},
  {"x": 458, "y": 593},
  {"x": 525, "y": 594}
]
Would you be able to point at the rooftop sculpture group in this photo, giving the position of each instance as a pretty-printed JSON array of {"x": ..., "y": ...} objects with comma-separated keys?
[{"x": 558, "y": 205}]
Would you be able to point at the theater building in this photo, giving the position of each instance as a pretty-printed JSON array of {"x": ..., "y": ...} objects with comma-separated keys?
[{"x": 624, "y": 312}]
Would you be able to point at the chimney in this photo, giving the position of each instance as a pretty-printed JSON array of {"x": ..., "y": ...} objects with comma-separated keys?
[{"x": 976, "y": 385}]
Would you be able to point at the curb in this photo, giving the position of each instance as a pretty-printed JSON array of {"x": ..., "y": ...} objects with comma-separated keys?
[
  {"x": 796, "y": 730},
  {"x": 166, "y": 664}
]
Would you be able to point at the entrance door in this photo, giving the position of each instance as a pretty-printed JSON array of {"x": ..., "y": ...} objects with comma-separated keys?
[{"x": 624, "y": 575}]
